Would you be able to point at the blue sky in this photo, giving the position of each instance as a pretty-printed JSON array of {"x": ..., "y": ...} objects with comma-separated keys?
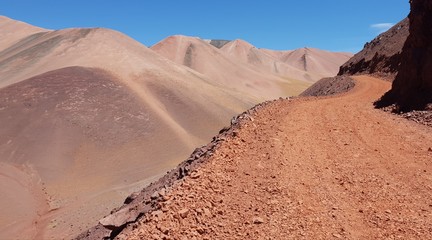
[{"x": 336, "y": 25}]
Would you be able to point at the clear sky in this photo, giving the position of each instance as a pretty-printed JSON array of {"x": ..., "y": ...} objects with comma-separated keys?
[{"x": 336, "y": 25}]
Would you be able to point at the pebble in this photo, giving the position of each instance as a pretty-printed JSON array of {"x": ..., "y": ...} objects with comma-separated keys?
[
  {"x": 155, "y": 195},
  {"x": 336, "y": 235},
  {"x": 184, "y": 212},
  {"x": 257, "y": 220}
]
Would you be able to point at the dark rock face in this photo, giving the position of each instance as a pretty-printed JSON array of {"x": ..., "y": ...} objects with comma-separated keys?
[
  {"x": 412, "y": 88},
  {"x": 381, "y": 56},
  {"x": 329, "y": 86},
  {"x": 219, "y": 43}
]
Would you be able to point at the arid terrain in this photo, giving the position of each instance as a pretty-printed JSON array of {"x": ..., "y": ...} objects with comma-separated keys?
[
  {"x": 102, "y": 137},
  {"x": 90, "y": 115},
  {"x": 308, "y": 168}
]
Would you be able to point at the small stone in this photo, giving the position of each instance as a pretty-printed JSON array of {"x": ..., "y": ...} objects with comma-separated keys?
[
  {"x": 157, "y": 214},
  {"x": 195, "y": 175},
  {"x": 163, "y": 229},
  {"x": 155, "y": 195},
  {"x": 337, "y": 235},
  {"x": 184, "y": 212},
  {"x": 200, "y": 230},
  {"x": 387, "y": 211},
  {"x": 162, "y": 192},
  {"x": 430, "y": 149},
  {"x": 207, "y": 212},
  {"x": 257, "y": 220}
]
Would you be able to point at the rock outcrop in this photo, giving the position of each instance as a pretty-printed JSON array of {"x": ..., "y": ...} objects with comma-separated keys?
[
  {"x": 218, "y": 43},
  {"x": 381, "y": 56},
  {"x": 329, "y": 86},
  {"x": 412, "y": 88}
]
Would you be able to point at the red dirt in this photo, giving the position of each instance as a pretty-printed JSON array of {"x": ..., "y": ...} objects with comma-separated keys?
[{"x": 314, "y": 168}]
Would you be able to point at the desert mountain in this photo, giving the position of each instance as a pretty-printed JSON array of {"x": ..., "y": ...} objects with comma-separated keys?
[
  {"x": 315, "y": 61},
  {"x": 259, "y": 60},
  {"x": 381, "y": 56},
  {"x": 208, "y": 60},
  {"x": 263, "y": 73},
  {"x": 304, "y": 64},
  {"x": 89, "y": 115}
]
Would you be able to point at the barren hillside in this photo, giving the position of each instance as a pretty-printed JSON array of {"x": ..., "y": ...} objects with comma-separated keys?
[
  {"x": 332, "y": 179},
  {"x": 76, "y": 101},
  {"x": 11, "y": 31}
]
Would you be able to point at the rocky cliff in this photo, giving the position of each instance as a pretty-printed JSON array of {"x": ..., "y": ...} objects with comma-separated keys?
[
  {"x": 381, "y": 56},
  {"x": 412, "y": 88}
]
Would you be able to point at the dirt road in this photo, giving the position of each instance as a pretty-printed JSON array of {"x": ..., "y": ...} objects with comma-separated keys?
[{"x": 308, "y": 169}]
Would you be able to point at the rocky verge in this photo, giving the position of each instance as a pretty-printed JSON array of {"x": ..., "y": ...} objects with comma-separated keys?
[
  {"x": 382, "y": 56},
  {"x": 150, "y": 199},
  {"x": 412, "y": 88}
]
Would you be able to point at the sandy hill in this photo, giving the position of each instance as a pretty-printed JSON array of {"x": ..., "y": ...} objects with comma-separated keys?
[
  {"x": 11, "y": 31},
  {"x": 223, "y": 69},
  {"x": 89, "y": 115},
  {"x": 305, "y": 64},
  {"x": 263, "y": 62},
  {"x": 381, "y": 56},
  {"x": 316, "y": 61},
  {"x": 266, "y": 74}
]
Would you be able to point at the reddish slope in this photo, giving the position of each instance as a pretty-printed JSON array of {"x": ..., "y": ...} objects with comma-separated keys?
[{"x": 335, "y": 179}]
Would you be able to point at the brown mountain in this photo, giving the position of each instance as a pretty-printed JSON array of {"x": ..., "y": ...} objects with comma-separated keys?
[
  {"x": 265, "y": 74},
  {"x": 381, "y": 56},
  {"x": 208, "y": 60},
  {"x": 304, "y": 64},
  {"x": 412, "y": 88},
  {"x": 89, "y": 115}
]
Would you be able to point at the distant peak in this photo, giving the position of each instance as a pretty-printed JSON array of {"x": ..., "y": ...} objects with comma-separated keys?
[{"x": 243, "y": 42}]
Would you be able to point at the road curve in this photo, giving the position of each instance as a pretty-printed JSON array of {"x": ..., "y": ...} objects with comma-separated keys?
[{"x": 315, "y": 168}]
